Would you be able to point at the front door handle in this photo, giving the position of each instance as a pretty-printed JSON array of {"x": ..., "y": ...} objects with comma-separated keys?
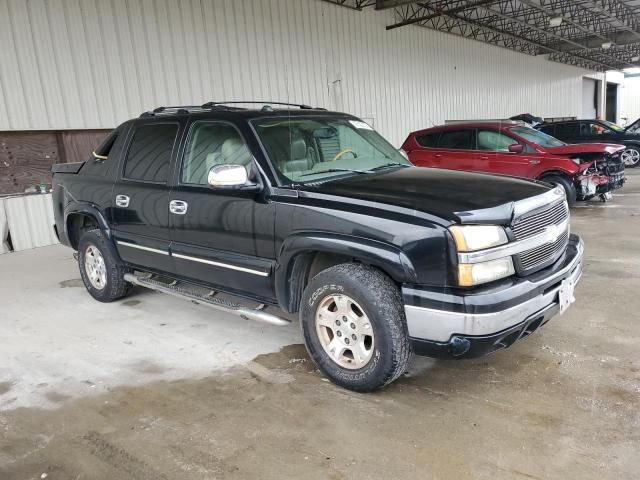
[
  {"x": 534, "y": 162},
  {"x": 484, "y": 157},
  {"x": 122, "y": 201},
  {"x": 178, "y": 207}
]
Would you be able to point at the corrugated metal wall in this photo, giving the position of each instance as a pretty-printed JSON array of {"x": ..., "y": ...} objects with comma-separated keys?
[
  {"x": 94, "y": 63},
  {"x": 631, "y": 99}
]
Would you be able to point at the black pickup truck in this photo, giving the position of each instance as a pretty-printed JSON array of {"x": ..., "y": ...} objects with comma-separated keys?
[{"x": 314, "y": 212}]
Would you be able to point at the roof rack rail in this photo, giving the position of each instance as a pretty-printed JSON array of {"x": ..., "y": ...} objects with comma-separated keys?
[
  {"x": 171, "y": 109},
  {"x": 265, "y": 103}
]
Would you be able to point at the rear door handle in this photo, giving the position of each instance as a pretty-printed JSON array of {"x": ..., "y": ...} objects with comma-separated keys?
[
  {"x": 484, "y": 157},
  {"x": 178, "y": 207},
  {"x": 122, "y": 201},
  {"x": 437, "y": 155}
]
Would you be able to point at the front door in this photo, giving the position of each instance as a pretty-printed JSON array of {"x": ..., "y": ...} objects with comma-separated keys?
[
  {"x": 494, "y": 155},
  {"x": 222, "y": 237},
  {"x": 140, "y": 214}
]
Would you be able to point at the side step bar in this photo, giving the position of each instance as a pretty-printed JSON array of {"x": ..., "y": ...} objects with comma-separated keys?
[{"x": 176, "y": 290}]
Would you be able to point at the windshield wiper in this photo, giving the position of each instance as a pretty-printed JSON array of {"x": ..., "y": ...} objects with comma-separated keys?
[
  {"x": 334, "y": 170},
  {"x": 388, "y": 165}
]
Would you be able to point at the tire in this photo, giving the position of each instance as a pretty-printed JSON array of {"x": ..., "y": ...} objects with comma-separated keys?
[
  {"x": 380, "y": 352},
  {"x": 569, "y": 188},
  {"x": 101, "y": 271},
  {"x": 631, "y": 156}
]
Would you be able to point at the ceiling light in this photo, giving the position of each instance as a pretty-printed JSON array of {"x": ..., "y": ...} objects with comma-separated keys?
[
  {"x": 607, "y": 45},
  {"x": 555, "y": 21}
]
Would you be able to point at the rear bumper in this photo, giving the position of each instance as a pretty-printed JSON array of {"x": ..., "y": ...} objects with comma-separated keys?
[{"x": 449, "y": 324}]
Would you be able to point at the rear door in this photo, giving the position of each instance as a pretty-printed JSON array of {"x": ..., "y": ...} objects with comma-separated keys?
[
  {"x": 140, "y": 213},
  {"x": 455, "y": 150},
  {"x": 568, "y": 132}
]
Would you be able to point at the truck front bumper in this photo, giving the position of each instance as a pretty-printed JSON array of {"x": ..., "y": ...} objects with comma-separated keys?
[{"x": 453, "y": 323}]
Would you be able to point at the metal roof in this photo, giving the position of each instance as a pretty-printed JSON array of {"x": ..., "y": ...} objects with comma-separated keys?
[{"x": 596, "y": 34}]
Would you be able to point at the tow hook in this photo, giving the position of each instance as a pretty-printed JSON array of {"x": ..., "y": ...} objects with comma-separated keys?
[{"x": 459, "y": 346}]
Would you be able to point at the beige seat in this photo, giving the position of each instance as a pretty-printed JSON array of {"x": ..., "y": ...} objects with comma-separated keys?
[{"x": 234, "y": 152}]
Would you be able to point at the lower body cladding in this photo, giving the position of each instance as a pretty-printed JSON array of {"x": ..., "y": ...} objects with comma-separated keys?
[{"x": 459, "y": 325}]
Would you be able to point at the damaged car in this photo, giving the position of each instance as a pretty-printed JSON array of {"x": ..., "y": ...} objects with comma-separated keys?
[{"x": 584, "y": 171}]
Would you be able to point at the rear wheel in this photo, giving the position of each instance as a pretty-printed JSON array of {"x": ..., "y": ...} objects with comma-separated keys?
[
  {"x": 631, "y": 157},
  {"x": 354, "y": 327},
  {"x": 101, "y": 271},
  {"x": 566, "y": 184}
]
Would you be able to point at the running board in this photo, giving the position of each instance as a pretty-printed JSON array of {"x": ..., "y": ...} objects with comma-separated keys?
[{"x": 175, "y": 289}]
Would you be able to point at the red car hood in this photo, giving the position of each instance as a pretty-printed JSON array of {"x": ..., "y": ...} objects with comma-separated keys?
[{"x": 586, "y": 148}]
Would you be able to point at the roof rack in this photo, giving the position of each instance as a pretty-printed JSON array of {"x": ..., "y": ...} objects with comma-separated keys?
[
  {"x": 264, "y": 103},
  {"x": 559, "y": 119},
  {"x": 184, "y": 109},
  {"x": 486, "y": 120}
]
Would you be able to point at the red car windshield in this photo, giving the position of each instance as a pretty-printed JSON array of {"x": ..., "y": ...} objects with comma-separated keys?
[{"x": 537, "y": 137}]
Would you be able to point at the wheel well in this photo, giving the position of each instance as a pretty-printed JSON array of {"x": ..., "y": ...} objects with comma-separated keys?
[
  {"x": 77, "y": 224},
  {"x": 560, "y": 173},
  {"x": 304, "y": 267}
]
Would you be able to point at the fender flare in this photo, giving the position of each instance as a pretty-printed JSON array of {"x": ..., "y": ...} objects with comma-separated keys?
[
  {"x": 89, "y": 210},
  {"x": 389, "y": 258}
]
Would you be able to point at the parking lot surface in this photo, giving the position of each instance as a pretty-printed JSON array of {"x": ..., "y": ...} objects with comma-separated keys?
[{"x": 154, "y": 387}]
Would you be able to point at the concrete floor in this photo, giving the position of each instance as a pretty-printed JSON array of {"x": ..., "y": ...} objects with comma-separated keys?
[{"x": 153, "y": 387}]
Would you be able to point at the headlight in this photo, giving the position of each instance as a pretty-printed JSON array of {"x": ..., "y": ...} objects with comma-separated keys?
[
  {"x": 477, "y": 237},
  {"x": 470, "y": 274},
  {"x": 577, "y": 161}
]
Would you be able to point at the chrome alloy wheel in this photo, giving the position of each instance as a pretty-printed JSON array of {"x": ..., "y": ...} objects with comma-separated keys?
[
  {"x": 344, "y": 331},
  {"x": 95, "y": 268},
  {"x": 631, "y": 157}
]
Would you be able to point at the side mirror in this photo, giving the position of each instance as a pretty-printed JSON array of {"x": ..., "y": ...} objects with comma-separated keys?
[
  {"x": 516, "y": 148},
  {"x": 227, "y": 176}
]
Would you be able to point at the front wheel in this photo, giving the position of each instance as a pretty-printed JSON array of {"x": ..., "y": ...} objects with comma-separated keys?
[
  {"x": 631, "y": 157},
  {"x": 354, "y": 327}
]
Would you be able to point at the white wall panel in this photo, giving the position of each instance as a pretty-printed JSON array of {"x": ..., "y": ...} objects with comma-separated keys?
[
  {"x": 95, "y": 63},
  {"x": 30, "y": 221},
  {"x": 631, "y": 99}
]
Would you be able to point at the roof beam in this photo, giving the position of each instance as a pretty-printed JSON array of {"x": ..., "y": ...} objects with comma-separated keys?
[{"x": 386, "y": 4}]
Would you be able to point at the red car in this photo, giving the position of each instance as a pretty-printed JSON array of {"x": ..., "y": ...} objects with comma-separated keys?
[{"x": 510, "y": 148}]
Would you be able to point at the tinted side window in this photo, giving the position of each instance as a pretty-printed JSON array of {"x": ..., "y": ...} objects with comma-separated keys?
[
  {"x": 458, "y": 139},
  {"x": 150, "y": 153},
  {"x": 212, "y": 144},
  {"x": 429, "y": 140},
  {"x": 548, "y": 129},
  {"x": 567, "y": 130}
]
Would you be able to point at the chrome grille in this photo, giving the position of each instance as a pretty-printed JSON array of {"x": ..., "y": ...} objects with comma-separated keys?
[
  {"x": 531, "y": 224},
  {"x": 530, "y": 259}
]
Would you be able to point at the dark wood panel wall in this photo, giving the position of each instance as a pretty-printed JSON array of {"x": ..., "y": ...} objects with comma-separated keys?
[{"x": 26, "y": 157}]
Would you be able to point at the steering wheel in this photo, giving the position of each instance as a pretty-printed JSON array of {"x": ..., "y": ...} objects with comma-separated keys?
[{"x": 343, "y": 152}]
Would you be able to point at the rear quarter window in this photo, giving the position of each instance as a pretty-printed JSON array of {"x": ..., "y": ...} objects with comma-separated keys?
[
  {"x": 99, "y": 163},
  {"x": 429, "y": 140}
]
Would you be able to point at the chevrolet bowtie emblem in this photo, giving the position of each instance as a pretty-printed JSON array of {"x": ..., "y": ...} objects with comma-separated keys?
[{"x": 553, "y": 232}]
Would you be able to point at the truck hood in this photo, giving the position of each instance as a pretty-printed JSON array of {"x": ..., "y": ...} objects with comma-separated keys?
[
  {"x": 452, "y": 195},
  {"x": 609, "y": 148}
]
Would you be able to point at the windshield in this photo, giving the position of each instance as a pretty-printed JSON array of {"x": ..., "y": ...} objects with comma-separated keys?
[
  {"x": 537, "y": 137},
  {"x": 634, "y": 127},
  {"x": 312, "y": 149}
]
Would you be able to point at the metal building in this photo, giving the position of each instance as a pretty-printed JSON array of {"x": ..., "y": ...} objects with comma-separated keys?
[{"x": 70, "y": 69}]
